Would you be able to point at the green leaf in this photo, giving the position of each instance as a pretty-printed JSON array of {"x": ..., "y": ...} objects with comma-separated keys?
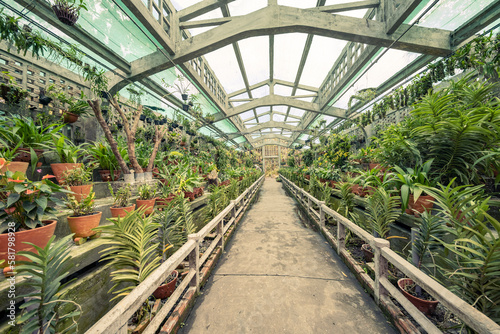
[{"x": 13, "y": 198}]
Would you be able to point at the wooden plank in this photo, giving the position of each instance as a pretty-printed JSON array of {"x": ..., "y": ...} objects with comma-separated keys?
[{"x": 209, "y": 250}]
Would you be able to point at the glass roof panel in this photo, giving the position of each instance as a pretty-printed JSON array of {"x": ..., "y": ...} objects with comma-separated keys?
[
  {"x": 247, "y": 114},
  {"x": 223, "y": 62},
  {"x": 278, "y": 118},
  {"x": 297, "y": 112},
  {"x": 282, "y": 90},
  {"x": 287, "y": 54},
  {"x": 323, "y": 54},
  {"x": 255, "y": 54},
  {"x": 260, "y": 92},
  {"x": 181, "y": 4},
  {"x": 242, "y": 7},
  {"x": 265, "y": 118}
]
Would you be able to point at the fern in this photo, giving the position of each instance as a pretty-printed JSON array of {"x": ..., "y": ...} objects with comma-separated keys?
[{"x": 48, "y": 267}]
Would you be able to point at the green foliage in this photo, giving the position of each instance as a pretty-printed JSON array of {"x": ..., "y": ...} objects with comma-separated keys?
[
  {"x": 122, "y": 196},
  {"x": 78, "y": 176},
  {"x": 429, "y": 229},
  {"x": 28, "y": 202},
  {"x": 102, "y": 153},
  {"x": 66, "y": 150},
  {"x": 132, "y": 251},
  {"x": 147, "y": 191},
  {"x": 23, "y": 130},
  {"x": 412, "y": 180},
  {"x": 85, "y": 207},
  {"x": 48, "y": 267},
  {"x": 382, "y": 210}
]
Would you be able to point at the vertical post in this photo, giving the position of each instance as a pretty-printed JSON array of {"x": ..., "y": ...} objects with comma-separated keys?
[
  {"x": 194, "y": 262},
  {"x": 309, "y": 207},
  {"x": 321, "y": 214},
  {"x": 233, "y": 211},
  {"x": 263, "y": 160},
  {"x": 220, "y": 232},
  {"x": 340, "y": 237},
  {"x": 381, "y": 267},
  {"x": 279, "y": 157},
  {"x": 414, "y": 256}
]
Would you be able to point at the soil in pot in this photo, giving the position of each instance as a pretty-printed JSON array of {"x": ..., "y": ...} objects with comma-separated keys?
[
  {"x": 15, "y": 166},
  {"x": 38, "y": 236},
  {"x": 106, "y": 175},
  {"x": 59, "y": 169},
  {"x": 165, "y": 290},
  {"x": 147, "y": 204},
  {"x": 82, "y": 225},
  {"x": 121, "y": 212},
  {"x": 425, "y": 303},
  {"x": 81, "y": 192}
]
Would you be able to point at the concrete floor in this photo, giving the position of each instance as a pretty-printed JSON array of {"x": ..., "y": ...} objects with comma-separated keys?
[{"x": 279, "y": 276}]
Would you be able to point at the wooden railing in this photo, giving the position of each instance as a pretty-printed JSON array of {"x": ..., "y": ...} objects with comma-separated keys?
[
  {"x": 383, "y": 255},
  {"x": 115, "y": 321}
]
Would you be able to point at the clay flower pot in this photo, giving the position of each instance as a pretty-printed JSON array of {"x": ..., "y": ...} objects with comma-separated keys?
[
  {"x": 59, "y": 169},
  {"x": 69, "y": 117},
  {"x": 81, "y": 192},
  {"x": 418, "y": 207},
  {"x": 24, "y": 154},
  {"x": 425, "y": 306},
  {"x": 38, "y": 236},
  {"x": 121, "y": 212},
  {"x": 367, "y": 252},
  {"x": 147, "y": 204},
  {"x": 106, "y": 175},
  {"x": 165, "y": 290},
  {"x": 15, "y": 166},
  {"x": 82, "y": 226}
]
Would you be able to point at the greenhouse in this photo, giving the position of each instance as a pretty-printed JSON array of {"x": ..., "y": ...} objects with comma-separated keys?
[{"x": 263, "y": 166}]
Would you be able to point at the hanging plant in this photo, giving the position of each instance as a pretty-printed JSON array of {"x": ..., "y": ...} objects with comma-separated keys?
[{"x": 67, "y": 11}]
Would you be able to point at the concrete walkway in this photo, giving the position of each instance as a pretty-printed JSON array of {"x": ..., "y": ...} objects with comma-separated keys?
[{"x": 278, "y": 276}]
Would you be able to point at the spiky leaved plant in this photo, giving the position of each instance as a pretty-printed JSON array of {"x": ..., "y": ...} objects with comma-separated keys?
[
  {"x": 383, "y": 210},
  {"x": 46, "y": 306},
  {"x": 132, "y": 250}
]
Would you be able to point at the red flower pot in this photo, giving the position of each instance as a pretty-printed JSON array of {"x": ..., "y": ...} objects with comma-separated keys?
[
  {"x": 38, "y": 236},
  {"x": 106, "y": 175},
  {"x": 24, "y": 154},
  {"x": 425, "y": 306},
  {"x": 81, "y": 192},
  {"x": 59, "y": 169},
  {"x": 147, "y": 204},
  {"x": 15, "y": 166},
  {"x": 423, "y": 203},
  {"x": 82, "y": 226},
  {"x": 69, "y": 117},
  {"x": 121, "y": 212},
  {"x": 165, "y": 290}
]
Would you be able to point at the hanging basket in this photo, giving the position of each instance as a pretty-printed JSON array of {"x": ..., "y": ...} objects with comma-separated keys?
[{"x": 67, "y": 15}]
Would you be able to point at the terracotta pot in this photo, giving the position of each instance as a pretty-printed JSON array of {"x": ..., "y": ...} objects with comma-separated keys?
[
  {"x": 24, "y": 154},
  {"x": 190, "y": 195},
  {"x": 69, "y": 117},
  {"x": 423, "y": 203},
  {"x": 106, "y": 175},
  {"x": 59, "y": 169},
  {"x": 307, "y": 177},
  {"x": 165, "y": 290},
  {"x": 39, "y": 236},
  {"x": 333, "y": 184},
  {"x": 15, "y": 166},
  {"x": 148, "y": 204},
  {"x": 156, "y": 172},
  {"x": 82, "y": 226},
  {"x": 81, "y": 192},
  {"x": 425, "y": 306},
  {"x": 121, "y": 212},
  {"x": 367, "y": 252}
]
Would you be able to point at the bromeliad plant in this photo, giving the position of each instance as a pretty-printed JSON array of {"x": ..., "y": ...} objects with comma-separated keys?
[
  {"x": 28, "y": 202},
  {"x": 47, "y": 305}
]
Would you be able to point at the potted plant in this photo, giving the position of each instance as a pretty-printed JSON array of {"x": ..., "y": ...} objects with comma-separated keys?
[
  {"x": 147, "y": 198},
  {"x": 27, "y": 134},
  {"x": 68, "y": 154},
  {"x": 14, "y": 166},
  {"x": 121, "y": 197},
  {"x": 10, "y": 92},
  {"x": 67, "y": 11},
  {"x": 26, "y": 209},
  {"x": 411, "y": 182},
  {"x": 79, "y": 181},
  {"x": 84, "y": 218},
  {"x": 44, "y": 275},
  {"x": 183, "y": 141},
  {"x": 101, "y": 153}
]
